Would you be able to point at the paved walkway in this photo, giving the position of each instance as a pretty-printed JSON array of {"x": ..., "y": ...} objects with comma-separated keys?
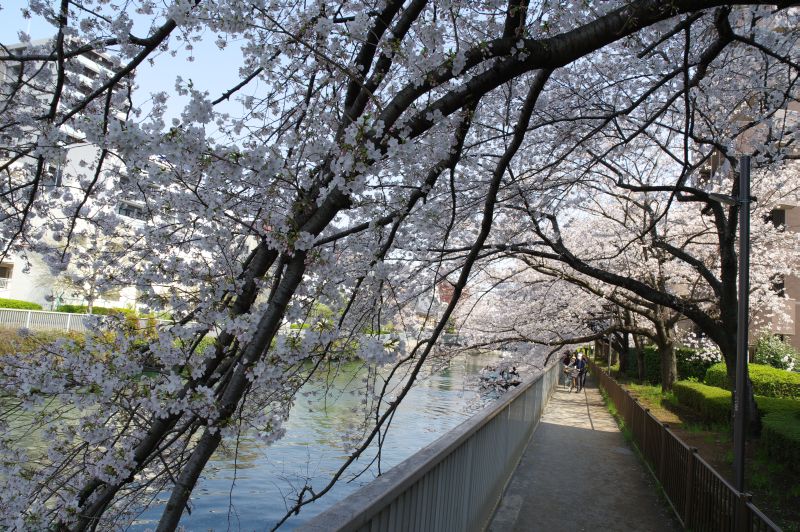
[{"x": 578, "y": 454}]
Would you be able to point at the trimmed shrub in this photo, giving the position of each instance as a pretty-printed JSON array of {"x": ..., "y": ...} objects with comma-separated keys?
[
  {"x": 717, "y": 376},
  {"x": 768, "y": 405},
  {"x": 767, "y": 381},
  {"x": 712, "y": 403},
  {"x": 780, "y": 433},
  {"x": 99, "y": 311},
  {"x": 19, "y": 304},
  {"x": 697, "y": 396},
  {"x": 780, "y": 437}
]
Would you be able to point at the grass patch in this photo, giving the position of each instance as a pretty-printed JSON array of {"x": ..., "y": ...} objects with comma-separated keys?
[
  {"x": 12, "y": 342},
  {"x": 663, "y": 405},
  {"x": 654, "y": 396}
]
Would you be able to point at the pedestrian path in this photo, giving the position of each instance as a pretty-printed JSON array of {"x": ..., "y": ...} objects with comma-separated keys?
[{"x": 578, "y": 473}]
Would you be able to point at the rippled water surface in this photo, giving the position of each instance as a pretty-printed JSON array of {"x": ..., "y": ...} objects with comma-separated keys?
[{"x": 247, "y": 491}]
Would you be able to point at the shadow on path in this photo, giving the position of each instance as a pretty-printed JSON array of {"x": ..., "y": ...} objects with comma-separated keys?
[{"x": 578, "y": 473}]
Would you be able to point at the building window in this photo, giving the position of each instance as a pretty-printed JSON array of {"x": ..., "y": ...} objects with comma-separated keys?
[
  {"x": 52, "y": 175},
  {"x": 778, "y": 285},
  {"x": 53, "y": 172},
  {"x": 12, "y": 79},
  {"x": 777, "y": 217},
  {"x": 5, "y": 275},
  {"x": 132, "y": 210}
]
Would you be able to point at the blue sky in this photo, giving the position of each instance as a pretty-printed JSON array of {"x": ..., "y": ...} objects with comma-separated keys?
[{"x": 212, "y": 70}]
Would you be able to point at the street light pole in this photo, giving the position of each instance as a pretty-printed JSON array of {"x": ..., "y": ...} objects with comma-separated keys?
[{"x": 739, "y": 405}]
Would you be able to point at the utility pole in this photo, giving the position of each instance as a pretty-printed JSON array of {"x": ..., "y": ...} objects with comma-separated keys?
[
  {"x": 742, "y": 320},
  {"x": 742, "y": 323}
]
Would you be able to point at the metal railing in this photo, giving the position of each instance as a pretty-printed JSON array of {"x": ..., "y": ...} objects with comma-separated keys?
[
  {"x": 456, "y": 482},
  {"x": 43, "y": 320},
  {"x": 700, "y": 497}
]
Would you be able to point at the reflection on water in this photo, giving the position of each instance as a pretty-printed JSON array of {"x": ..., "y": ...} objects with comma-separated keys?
[{"x": 245, "y": 488}]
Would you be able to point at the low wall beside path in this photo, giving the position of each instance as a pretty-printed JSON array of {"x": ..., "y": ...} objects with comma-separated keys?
[{"x": 455, "y": 483}]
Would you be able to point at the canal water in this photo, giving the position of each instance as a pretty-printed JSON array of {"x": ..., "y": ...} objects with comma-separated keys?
[{"x": 249, "y": 490}]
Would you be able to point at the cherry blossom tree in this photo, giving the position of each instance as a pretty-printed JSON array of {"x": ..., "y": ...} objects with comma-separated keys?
[
  {"x": 628, "y": 237},
  {"x": 387, "y": 145}
]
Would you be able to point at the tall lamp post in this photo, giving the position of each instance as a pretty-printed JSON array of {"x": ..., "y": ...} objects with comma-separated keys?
[{"x": 742, "y": 323}]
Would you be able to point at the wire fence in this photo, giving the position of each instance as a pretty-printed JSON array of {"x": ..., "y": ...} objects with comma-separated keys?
[{"x": 700, "y": 497}]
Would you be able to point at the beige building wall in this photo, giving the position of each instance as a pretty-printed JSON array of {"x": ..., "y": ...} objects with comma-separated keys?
[{"x": 792, "y": 283}]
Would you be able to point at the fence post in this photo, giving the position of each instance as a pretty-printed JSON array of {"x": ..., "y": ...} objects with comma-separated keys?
[
  {"x": 28, "y": 320},
  {"x": 687, "y": 511},
  {"x": 629, "y": 408},
  {"x": 69, "y": 322},
  {"x": 662, "y": 454},
  {"x": 742, "y": 523},
  {"x": 644, "y": 435}
]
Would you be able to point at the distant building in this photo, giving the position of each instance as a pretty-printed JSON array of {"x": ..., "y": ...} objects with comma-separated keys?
[
  {"x": 786, "y": 217},
  {"x": 26, "y": 275}
]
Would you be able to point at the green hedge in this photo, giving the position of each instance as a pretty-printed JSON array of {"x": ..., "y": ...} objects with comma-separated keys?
[
  {"x": 100, "y": 311},
  {"x": 697, "y": 396},
  {"x": 767, "y": 381},
  {"x": 780, "y": 437},
  {"x": 18, "y": 303},
  {"x": 780, "y": 434},
  {"x": 712, "y": 403},
  {"x": 689, "y": 366},
  {"x": 768, "y": 405}
]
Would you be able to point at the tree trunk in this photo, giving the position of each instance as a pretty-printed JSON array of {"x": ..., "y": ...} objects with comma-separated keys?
[
  {"x": 624, "y": 354},
  {"x": 669, "y": 365}
]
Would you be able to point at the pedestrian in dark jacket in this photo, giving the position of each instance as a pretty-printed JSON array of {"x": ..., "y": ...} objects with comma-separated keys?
[{"x": 583, "y": 367}]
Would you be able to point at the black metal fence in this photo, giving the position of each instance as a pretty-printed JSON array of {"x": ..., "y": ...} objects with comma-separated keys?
[{"x": 701, "y": 498}]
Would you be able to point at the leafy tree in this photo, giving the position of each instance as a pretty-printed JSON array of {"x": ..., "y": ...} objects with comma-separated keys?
[{"x": 384, "y": 147}]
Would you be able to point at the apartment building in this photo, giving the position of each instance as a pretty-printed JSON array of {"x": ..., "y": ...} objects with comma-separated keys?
[
  {"x": 68, "y": 167},
  {"x": 786, "y": 217}
]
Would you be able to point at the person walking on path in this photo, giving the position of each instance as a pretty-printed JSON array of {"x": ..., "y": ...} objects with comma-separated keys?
[
  {"x": 583, "y": 367},
  {"x": 564, "y": 375},
  {"x": 573, "y": 372}
]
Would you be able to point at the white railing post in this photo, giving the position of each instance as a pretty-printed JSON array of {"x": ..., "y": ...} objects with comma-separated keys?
[
  {"x": 28, "y": 320},
  {"x": 69, "y": 322}
]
